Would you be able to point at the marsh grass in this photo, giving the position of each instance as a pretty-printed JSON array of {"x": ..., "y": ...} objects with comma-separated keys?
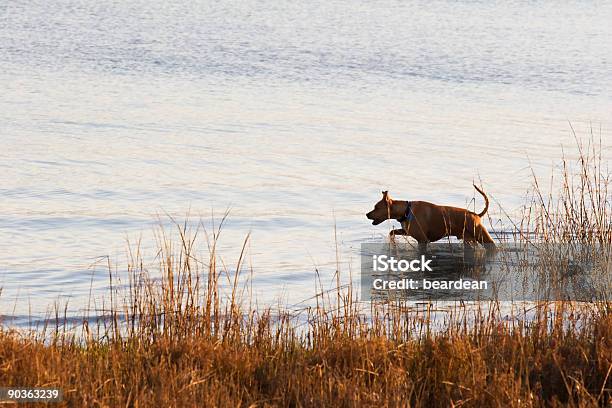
[
  {"x": 187, "y": 333},
  {"x": 577, "y": 207}
]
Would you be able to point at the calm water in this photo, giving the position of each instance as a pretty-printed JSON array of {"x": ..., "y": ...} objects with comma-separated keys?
[{"x": 294, "y": 114}]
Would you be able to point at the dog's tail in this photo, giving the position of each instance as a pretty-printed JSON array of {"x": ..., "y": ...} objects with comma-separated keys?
[{"x": 483, "y": 212}]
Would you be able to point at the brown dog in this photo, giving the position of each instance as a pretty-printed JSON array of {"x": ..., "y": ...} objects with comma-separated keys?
[{"x": 427, "y": 222}]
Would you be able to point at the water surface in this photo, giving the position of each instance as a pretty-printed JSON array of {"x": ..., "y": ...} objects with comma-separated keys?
[{"x": 294, "y": 114}]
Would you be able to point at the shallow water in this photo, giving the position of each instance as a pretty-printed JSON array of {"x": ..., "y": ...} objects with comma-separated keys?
[{"x": 295, "y": 115}]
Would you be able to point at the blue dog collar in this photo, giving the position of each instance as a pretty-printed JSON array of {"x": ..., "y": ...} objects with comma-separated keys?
[{"x": 408, "y": 215}]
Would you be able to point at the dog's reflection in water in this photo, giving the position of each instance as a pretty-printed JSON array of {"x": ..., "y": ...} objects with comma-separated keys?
[{"x": 449, "y": 262}]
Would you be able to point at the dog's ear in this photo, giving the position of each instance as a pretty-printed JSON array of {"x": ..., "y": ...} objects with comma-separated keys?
[{"x": 386, "y": 196}]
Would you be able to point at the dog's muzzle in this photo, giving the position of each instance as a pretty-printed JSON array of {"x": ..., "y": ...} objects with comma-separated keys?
[{"x": 370, "y": 216}]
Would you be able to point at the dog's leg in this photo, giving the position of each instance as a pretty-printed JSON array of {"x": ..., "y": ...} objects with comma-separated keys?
[
  {"x": 397, "y": 231},
  {"x": 482, "y": 235},
  {"x": 469, "y": 241},
  {"x": 423, "y": 247}
]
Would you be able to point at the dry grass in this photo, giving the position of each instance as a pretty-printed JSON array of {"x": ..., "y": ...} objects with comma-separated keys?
[
  {"x": 580, "y": 210},
  {"x": 192, "y": 339}
]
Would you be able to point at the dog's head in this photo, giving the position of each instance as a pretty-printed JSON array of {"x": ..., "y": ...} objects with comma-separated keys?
[{"x": 382, "y": 209}]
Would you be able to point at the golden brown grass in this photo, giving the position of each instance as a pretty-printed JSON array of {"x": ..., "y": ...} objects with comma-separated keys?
[
  {"x": 489, "y": 364},
  {"x": 192, "y": 339}
]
